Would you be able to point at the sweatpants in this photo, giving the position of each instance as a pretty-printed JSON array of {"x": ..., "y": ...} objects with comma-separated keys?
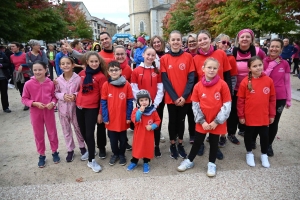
[
  {"x": 3, "y": 93},
  {"x": 101, "y": 136},
  {"x": 263, "y": 132},
  {"x": 199, "y": 139},
  {"x": 273, "y": 128},
  {"x": 66, "y": 122},
  {"x": 176, "y": 120},
  {"x": 117, "y": 142},
  {"x": 39, "y": 120},
  {"x": 157, "y": 131},
  {"x": 233, "y": 119},
  {"x": 87, "y": 119},
  {"x": 135, "y": 160}
]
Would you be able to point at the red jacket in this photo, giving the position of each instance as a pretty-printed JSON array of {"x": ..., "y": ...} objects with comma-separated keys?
[{"x": 91, "y": 99}]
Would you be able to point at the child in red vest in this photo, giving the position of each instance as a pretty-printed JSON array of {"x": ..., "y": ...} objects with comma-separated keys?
[
  {"x": 256, "y": 108},
  {"x": 117, "y": 105},
  {"x": 211, "y": 106},
  {"x": 145, "y": 119}
]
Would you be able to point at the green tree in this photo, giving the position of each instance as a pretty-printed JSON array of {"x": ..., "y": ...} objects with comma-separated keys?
[
  {"x": 179, "y": 17},
  {"x": 262, "y": 16}
]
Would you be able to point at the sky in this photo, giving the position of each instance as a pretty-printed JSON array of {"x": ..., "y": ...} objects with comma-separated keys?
[{"x": 116, "y": 11}]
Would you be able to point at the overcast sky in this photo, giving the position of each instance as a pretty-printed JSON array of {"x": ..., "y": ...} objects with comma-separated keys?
[{"x": 116, "y": 11}]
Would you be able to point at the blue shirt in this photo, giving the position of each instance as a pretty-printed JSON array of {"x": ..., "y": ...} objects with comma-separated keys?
[{"x": 138, "y": 56}]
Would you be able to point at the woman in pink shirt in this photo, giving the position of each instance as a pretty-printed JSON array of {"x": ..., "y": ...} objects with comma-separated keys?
[{"x": 279, "y": 70}]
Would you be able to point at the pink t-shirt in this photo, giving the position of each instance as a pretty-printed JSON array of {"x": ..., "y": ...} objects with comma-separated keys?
[{"x": 278, "y": 76}]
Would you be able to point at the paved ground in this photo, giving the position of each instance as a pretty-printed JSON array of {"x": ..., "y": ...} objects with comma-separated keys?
[{"x": 20, "y": 178}]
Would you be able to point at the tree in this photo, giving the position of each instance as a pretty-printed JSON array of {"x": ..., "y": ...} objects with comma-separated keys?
[
  {"x": 206, "y": 10},
  {"x": 262, "y": 16},
  {"x": 78, "y": 26},
  {"x": 179, "y": 17}
]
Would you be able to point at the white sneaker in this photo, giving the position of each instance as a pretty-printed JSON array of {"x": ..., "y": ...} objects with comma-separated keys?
[
  {"x": 184, "y": 165},
  {"x": 85, "y": 156},
  {"x": 264, "y": 160},
  {"x": 162, "y": 138},
  {"x": 250, "y": 159},
  {"x": 10, "y": 86},
  {"x": 94, "y": 165},
  {"x": 211, "y": 169}
]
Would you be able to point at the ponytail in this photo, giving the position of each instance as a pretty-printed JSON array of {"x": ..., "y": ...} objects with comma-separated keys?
[
  {"x": 249, "y": 81},
  {"x": 155, "y": 68}
]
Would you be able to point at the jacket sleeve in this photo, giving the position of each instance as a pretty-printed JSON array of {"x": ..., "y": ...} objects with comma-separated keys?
[
  {"x": 26, "y": 98},
  {"x": 287, "y": 83},
  {"x": 138, "y": 115},
  {"x": 54, "y": 99},
  {"x": 198, "y": 114},
  {"x": 129, "y": 108},
  {"x": 227, "y": 79},
  {"x": 159, "y": 94},
  {"x": 156, "y": 121},
  {"x": 101, "y": 82},
  {"x": 189, "y": 85},
  {"x": 57, "y": 62},
  {"x": 168, "y": 86},
  {"x": 135, "y": 89},
  {"x": 5, "y": 63},
  {"x": 76, "y": 54},
  {"x": 223, "y": 114},
  {"x": 44, "y": 57},
  {"x": 27, "y": 58},
  {"x": 58, "y": 94},
  {"x": 104, "y": 110},
  {"x": 241, "y": 107}
]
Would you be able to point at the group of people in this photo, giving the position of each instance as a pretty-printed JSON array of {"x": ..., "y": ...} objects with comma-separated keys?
[{"x": 218, "y": 90}]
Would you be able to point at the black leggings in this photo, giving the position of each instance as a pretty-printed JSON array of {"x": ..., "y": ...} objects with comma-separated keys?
[
  {"x": 21, "y": 85},
  {"x": 233, "y": 120},
  {"x": 176, "y": 120},
  {"x": 263, "y": 132},
  {"x": 160, "y": 111},
  {"x": 135, "y": 160},
  {"x": 191, "y": 121},
  {"x": 101, "y": 136},
  {"x": 296, "y": 65},
  {"x": 273, "y": 128},
  {"x": 213, "y": 142},
  {"x": 87, "y": 119}
]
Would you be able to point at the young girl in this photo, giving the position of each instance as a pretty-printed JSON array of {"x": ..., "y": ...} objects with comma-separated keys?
[
  {"x": 88, "y": 103},
  {"x": 211, "y": 106},
  {"x": 147, "y": 77},
  {"x": 178, "y": 79},
  {"x": 256, "y": 108},
  {"x": 38, "y": 93},
  {"x": 145, "y": 119},
  {"x": 66, "y": 90}
]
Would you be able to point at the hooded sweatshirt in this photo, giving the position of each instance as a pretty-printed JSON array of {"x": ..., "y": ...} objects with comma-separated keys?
[{"x": 144, "y": 77}]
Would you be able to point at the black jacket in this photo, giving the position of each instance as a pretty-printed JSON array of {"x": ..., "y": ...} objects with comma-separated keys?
[{"x": 5, "y": 64}]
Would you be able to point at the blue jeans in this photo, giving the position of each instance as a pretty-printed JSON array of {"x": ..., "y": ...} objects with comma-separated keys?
[{"x": 118, "y": 142}]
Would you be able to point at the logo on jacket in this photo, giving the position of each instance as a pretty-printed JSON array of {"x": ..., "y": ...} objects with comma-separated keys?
[
  {"x": 203, "y": 95},
  {"x": 110, "y": 95},
  {"x": 170, "y": 67},
  {"x": 182, "y": 66},
  {"x": 217, "y": 96},
  {"x": 122, "y": 95},
  {"x": 154, "y": 74},
  {"x": 266, "y": 90},
  {"x": 150, "y": 122},
  {"x": 281, "y": 69}
]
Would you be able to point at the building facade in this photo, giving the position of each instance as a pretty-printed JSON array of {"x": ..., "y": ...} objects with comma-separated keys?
[
  {"x": 111, "y": 27},
  {"x": 146, "y": 16}
]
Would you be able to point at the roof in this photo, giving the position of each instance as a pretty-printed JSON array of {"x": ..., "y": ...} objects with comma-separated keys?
[
  {"x": 75, "y": 3},
  {"x": 107, "y": 22},
  {"x": 98, "y": 21}
]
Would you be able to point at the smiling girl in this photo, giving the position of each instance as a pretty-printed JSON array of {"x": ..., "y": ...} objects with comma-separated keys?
[
  {"x": 38, "y": 94},
  {"x": 88, "y": 103},
  {"x": 178, "y": 79}
]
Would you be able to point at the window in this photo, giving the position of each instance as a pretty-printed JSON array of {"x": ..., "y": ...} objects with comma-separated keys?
[{"x": 142, "y": 27}]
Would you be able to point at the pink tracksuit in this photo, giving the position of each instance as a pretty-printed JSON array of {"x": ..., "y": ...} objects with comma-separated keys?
[
  {"x": 67, "y": 110},
  {"x": 34, "y": 91}
]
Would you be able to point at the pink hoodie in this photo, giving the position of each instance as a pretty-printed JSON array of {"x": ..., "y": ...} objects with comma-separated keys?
[
  {"x": 34, "y": 91},
  {"x": 66, "y": 87}
]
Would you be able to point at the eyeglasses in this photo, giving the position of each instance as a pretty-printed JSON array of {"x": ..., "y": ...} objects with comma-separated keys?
[
  {"x": 225, "y": 42},
  {"x": 113, "y": 70},
  {"x": 120, "y": 54}
]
